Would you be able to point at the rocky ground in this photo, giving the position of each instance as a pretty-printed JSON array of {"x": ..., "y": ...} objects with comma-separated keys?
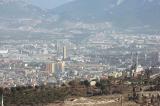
[{"x": 96, "y": 101}]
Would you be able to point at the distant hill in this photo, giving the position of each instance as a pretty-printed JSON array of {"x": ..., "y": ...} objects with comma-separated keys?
[
  {"x": 19, "y": 9},
  {"x": 121, "y": 13},
  {"x": 18, "y": 16}
]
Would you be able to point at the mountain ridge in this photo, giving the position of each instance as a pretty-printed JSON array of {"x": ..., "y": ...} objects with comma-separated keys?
[
  {"x": 121, "y": 13},
  {"x": 19, "y": 9}
]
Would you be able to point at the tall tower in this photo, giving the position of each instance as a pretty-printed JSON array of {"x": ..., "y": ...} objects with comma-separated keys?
[
  {"x": 61, "y": 66},
  {"x": 64, "y": 53}
]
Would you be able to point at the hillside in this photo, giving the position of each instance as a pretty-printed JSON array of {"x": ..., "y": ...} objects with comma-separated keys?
[
  {"x": 121, "y": 13},
  {"x": 19, "y": 9}
]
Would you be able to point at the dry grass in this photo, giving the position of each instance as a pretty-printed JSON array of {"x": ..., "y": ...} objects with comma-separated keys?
[{"x": 113, "y": 100}]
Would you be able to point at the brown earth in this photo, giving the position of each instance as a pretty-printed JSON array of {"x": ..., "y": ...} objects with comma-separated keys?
[{"x": 115, "y": 100}]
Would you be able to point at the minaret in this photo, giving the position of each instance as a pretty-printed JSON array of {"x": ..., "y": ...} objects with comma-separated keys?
[
  {"x": 137, "y": 60},
  {"x": 131, "y": 59}
]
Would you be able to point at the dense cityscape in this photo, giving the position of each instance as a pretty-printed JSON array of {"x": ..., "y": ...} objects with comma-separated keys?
[
  {"x": 79, "y": 53},
  {"x": 102, "y": 56},
  {"x": 37, "y": 62}
]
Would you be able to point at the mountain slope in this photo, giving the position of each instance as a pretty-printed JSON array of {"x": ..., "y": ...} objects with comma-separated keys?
[
  {"x": 122, "y": 13},
  {"x": 19, "y": 18},
  {"x": 19, "y": 9}
]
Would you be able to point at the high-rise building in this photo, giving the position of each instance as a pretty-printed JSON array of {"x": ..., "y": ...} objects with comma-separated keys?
[
  {"x": 55, "y": 68},
  {"x": 64, "y": 53},
  {"x": 50, "y": 67},
  {"x": 60, "y": 67}
]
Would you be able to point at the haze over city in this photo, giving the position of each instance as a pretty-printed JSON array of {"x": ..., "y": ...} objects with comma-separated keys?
[{"x": 79, "y": 52}]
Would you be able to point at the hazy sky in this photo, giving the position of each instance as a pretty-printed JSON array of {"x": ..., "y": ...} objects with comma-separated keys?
[{"x": 49, "y": 4}]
